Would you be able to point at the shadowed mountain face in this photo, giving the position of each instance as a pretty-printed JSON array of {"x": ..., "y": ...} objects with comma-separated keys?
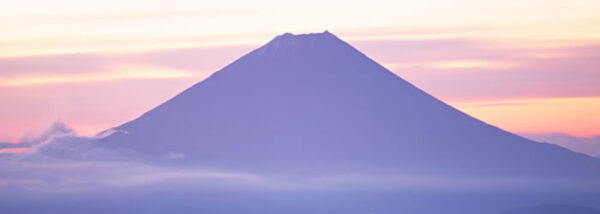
[
  {"x": 552, "y": 209},
  {"x": 314, "y": 104}
]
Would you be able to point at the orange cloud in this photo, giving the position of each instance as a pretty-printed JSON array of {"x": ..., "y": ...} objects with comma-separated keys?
[
  {"x": 116, "y": 72},
  {"x": 14, "y": 150},
  {"x": 576, "y": 115}
]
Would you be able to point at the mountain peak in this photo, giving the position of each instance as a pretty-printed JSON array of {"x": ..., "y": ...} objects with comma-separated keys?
[
  {"x": 289, "y": 44},
  {"x": 291, "y": 36}
]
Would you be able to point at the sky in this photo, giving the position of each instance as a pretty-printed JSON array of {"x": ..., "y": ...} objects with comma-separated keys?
[{"x": 524, "y": 66}]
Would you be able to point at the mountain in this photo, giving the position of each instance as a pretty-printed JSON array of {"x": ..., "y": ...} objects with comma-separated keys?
[
  {"x": 312, "y": 103},
  {"x": 303, "y": 124},
  {"x": 585, "y": 145}
]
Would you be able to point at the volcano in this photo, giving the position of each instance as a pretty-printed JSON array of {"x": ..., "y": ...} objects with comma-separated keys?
[{"x": 312, "y": 103}]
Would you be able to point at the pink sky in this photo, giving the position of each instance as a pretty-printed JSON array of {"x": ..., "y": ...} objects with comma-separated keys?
[{"x": 525, "y": 66}]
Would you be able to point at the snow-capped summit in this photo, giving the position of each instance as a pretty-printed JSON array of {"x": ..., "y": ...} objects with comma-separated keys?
[
  {"x": 313, "y": 103},
  {"x": 289, "y": 44}
]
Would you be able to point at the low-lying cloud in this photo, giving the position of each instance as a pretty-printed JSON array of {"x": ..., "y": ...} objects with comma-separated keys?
[{"x": 60, "y": 161}]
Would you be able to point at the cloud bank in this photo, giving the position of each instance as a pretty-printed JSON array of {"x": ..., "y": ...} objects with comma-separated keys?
[{"x": 58, "y": 160}]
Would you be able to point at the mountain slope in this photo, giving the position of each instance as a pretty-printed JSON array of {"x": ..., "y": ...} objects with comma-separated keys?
[
  {"x": 552, "y": 209},
  {"x": 585, "y": 145},
  {"x": 313, "y": 103}
]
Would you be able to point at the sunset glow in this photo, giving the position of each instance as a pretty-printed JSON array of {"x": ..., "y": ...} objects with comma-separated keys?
[
  {"x": 577, "y": 116},
  {"x": 14, "y": 150},
  {"x": 117, "y": 73},
  {"x": 527, "y": 67}
]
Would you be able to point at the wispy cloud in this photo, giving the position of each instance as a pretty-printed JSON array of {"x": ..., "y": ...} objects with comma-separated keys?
[
  {"x": 463, "y": 69},
  {"x": 193, "y": 59},
  {"x": 470, "y": 64},
  {"x": 113, "y": 73},
  {"x": 14, "y": 150}
]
